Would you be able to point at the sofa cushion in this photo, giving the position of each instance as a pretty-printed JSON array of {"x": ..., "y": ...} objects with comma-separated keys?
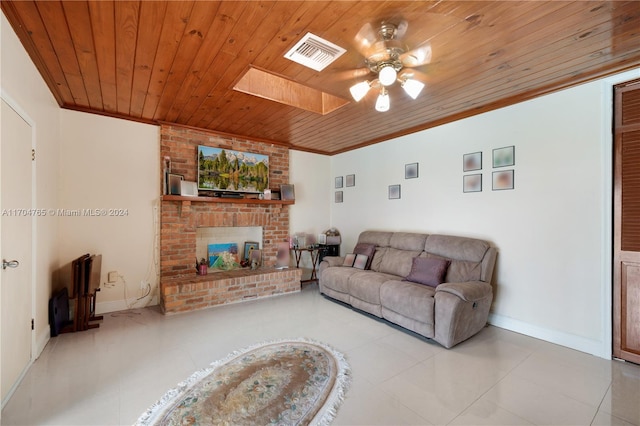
[
  {"x": 361, "y": 261},
  {"x": 377, "y": 238},
  {"x": 460, "y": 271},
  {"x": 397, "y": 262},
  {"x": 337, "y": 278},
  {"x": 349, "y": 259},
  {"x": 377, "y": 258},
  {"x": 365, "y": 285},
  {"x": 409, "y": 299},
  {"x": 408, "y": 241},
  {"x": 456, "y": 248},
  {"x": 428, "y": 271},
  {"x": 366, "y": 249}
]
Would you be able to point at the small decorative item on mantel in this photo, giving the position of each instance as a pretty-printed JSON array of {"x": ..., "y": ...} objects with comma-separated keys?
[{"x": 201, "y": 267}]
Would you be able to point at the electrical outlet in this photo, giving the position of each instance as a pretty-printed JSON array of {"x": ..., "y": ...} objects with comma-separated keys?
[
  {"x": 112, "y": 277},
  {"x": 143, "y": 285}
]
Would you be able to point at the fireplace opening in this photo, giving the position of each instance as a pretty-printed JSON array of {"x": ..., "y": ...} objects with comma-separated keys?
[{"x": 225, "y": 247}]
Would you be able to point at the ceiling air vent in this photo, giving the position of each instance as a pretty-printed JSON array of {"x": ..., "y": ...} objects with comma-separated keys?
[{"x": 314, "y": 52}]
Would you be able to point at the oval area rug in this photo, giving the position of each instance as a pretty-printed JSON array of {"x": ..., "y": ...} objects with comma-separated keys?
[{"x": 287, "y": 382}]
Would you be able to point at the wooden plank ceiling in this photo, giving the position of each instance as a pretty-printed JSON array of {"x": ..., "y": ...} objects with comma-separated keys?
[{"x": 177, "y": 61}]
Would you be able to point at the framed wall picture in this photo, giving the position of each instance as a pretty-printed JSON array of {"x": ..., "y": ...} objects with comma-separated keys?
[
  {"x": 253, "y": 176},
  {"x": 249, "y": 246},
  {"x": 410, "y": 171},
  {"x": 351, "y": 180},
  {"x": 287, "y": 192},
  {"x": 472, "y": 161},
  {"x": 174, "y": 183},
  {"x": 339, "y": 182},
  {"x": 503, "y": 180},
  {"x": 338, "y": 197},
  {"x": 394, "y": 192},
  {"x": 503, "y": 157},
  {"x": 472, "y": 183},
  {"x": 256, "y": 256}
]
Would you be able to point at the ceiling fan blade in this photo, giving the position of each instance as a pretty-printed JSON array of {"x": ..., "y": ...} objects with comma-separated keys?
[
  {"x": 421, "y": 55},
  {"x": 349, "y": 74},
  {"x": 365, "y": 40},
  {"x": 401, "y": 28},
  {"x": 415, "y": 74}
]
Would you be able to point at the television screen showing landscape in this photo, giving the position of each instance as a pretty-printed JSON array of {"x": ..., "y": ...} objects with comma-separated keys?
[{"x": 227, "y": 170}]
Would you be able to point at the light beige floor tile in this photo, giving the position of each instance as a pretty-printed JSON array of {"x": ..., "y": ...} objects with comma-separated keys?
[
  {"x": 485, "y": 412},
  {"x": 441, "y": 387},
  {"x": 581, "y": 381},
  {"x": 622, "y": 400},
  {"x": 365, "y": 405},
  {"x": 606, "y": 419},
  {"x": 538, "y": 404},
  {"x": 378, "y": 362}
]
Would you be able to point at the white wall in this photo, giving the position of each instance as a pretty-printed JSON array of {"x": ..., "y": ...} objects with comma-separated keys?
[
  {"x": 22, "y": 85},
  {"x": 309, "y": 173},
  {"x": 112, "y": 164},
  {"x": 552, "y": 230}
]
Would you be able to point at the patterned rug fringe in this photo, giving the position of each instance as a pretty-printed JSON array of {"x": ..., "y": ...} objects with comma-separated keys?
[{"x": 323, "y": 418}]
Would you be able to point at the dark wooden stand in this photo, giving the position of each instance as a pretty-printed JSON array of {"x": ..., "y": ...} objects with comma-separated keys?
[
  {"x": 84, "y": 294},
  {"x": 313, "y": 252}
]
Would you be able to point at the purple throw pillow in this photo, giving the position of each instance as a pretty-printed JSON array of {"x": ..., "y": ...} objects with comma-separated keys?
[
  {"x": 366, "y": 249},
  {"x": 428, "y": 271}
]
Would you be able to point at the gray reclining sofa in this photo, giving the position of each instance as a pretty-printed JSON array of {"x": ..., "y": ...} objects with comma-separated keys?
[{"x": 438, "y": 286}]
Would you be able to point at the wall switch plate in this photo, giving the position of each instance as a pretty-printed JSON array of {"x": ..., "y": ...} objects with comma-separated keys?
[{"x": 112, "y": 277}]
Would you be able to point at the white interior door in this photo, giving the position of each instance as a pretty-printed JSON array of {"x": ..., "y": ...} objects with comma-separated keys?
[{"x": 16, "y": 284}]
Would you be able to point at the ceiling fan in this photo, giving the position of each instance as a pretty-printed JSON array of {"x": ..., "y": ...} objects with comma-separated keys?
[{"x": 387, "y": 57}]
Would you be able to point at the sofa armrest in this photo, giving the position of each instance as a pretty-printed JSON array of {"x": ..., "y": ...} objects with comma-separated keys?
[
  {"x": 333, "y": 260},
  {"x": 470, "y": 291},
  {"x": 328, "y": 262}
]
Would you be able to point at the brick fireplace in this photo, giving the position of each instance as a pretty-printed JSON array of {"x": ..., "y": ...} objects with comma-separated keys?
[{"x": 180, "y": 288}]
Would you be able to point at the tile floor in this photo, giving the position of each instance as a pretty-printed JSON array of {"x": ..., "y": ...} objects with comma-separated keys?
[{"x": 110, "y": 375}]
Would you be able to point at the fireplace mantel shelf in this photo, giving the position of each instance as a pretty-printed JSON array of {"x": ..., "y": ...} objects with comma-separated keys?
[{"x": 224, "y": 200}]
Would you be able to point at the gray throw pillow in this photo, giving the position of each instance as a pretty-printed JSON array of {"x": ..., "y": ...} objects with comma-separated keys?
[
  {"x": 428, "y": 271},
  {"x": 361, "y": 261},
  {"x": 349, "y": 259}
]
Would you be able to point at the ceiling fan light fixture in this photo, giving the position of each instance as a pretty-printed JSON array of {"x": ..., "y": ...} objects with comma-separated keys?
[
  {"x": 412, "y": 87},
  {"x": 387, "y": 75},
  {"x": 382, "y": 104},
  {"x": 359, "y": 90}
]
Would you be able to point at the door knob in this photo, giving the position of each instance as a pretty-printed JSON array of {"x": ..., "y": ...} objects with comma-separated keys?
[{"x": 10, "y": 264}]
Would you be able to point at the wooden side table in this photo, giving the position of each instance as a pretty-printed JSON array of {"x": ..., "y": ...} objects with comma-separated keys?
[{"x": 313, "y": 252}]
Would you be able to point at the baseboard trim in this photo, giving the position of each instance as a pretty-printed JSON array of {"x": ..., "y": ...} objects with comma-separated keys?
[
  {"x": 41, "y": 342},
  {"x": 579, "y": 343}
]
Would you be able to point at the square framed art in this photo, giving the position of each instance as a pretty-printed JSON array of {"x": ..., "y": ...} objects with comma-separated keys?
[
  {"x": 472, "y": 183},
  {"x": 502, "y": 180},
  {"x": 503, "y": 157},
  {"x": 394, "y": 192},
  {"x": 174, "y": 183},
  {"x": 472, "y": 161},
  {"x": 287, "y": 191},
  {"x": 339, "y": 182},
  {"x": 411, "y": 171}
]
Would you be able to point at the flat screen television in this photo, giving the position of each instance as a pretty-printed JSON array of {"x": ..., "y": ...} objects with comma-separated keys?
[{"x": 226, "y": 170}]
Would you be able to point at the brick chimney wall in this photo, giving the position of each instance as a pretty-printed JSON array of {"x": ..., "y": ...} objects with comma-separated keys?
[{"x": 180, "y": 219}]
